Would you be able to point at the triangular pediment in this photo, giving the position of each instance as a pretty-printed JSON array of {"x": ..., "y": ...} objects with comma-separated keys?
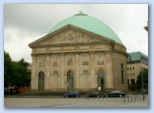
[{"x": 68, "y": 35}]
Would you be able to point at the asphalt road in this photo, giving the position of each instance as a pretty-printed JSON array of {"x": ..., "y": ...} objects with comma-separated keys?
[{"x": 76, "y": 102}]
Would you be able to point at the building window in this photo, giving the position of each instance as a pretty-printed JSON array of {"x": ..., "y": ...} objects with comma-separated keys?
[
  {"x": 142, "y": 69},
  {"x": 122, "y": 73},
  {"x": 132, "y": 81},
  {"x": 133, "y": 84},
  {"x": 129, "y": 58}
]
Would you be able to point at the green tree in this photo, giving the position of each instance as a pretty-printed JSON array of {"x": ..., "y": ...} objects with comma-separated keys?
[
  {"x": 8, "y": 69},
  {"x": 15, "y": 73},
  {"x": 143, "y": 74},
  {"x": 21, "y": 72}
]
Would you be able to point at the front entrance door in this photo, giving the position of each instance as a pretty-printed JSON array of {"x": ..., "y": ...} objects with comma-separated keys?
[
  {"x": 70, "y": 80},
  {"x": 100, "y": 80},
  {"x": 41, "y": 81}
]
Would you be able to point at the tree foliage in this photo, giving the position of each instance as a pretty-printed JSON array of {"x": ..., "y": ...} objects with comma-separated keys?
[
  {"x": 15, "y": 73},
  {"x": 143, "y": 74}
]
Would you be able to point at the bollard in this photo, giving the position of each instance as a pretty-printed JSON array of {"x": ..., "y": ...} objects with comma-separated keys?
[
  {"x": 124, "y": 98},
  {"x": 138, "y": 97},
  {"x": 128, "y": 99},
  {"x": 145, "y": 97},
  {"x": 131, "y": 98}
]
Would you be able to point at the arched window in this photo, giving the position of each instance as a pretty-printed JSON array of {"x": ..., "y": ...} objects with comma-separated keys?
[
  {"x": 122, "y": 73},
  {"x": 70, "y": 80},
  {"x": 55, "y": 73},
  {"x": 100, "y": 73},
  {"x": 84, "y": 80},
  {"x": 85, "y": 72},
  {"x": 100, "y": 80},
  {"x": 55, "y": 80},
  {"x": 41, "y": 77}
]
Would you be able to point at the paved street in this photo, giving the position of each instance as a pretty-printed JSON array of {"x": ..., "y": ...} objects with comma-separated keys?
[{"x": 74, "y": 102}]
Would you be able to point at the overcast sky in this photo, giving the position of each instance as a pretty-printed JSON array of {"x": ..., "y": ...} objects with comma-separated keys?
[{"x": 25, "y": 23}]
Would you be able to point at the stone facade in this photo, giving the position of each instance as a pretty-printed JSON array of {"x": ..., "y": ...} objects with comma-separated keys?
[{"x": 74, "y": 59}]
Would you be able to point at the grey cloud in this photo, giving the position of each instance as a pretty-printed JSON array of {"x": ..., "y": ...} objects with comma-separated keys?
[{"x": 32, "y": 21}]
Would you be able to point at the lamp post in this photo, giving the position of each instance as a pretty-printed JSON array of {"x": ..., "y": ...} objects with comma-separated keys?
[{"x": 142, "y": 84}]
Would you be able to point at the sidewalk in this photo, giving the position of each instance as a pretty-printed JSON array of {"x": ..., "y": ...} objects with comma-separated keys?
[
  {"x": 107, "y": 104},
  {"x": 73, "y": 102}
]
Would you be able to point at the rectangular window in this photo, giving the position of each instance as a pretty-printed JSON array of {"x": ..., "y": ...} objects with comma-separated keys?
[
  {"x": 128, "y": 82},
  {"x": 132, "y": 81},
  {"x": 122, "y": 73}
]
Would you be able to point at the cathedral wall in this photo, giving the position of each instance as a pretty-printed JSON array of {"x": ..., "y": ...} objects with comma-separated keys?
[
  {"x": 118, "y": 61},
  {"x": 84, "y": 65}
]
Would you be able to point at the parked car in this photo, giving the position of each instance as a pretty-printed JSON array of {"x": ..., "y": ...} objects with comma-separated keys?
[
  {"x": 72, "y": 94},
  {"x": 115, "y": 93},
  {"x": 93, "y": 94}
]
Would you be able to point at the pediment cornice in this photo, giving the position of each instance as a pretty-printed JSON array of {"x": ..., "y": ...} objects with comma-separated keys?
[{"x": 69, "y": 35}]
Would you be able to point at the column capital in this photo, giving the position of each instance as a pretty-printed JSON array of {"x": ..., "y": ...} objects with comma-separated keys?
[
  {"x": 48, "y": 53},
  {"x": 62, "y": 53},
  {"x": 77, "y": 53},
  {"x": 108, "y": 51},
  {"x": 33, "y": 54},
  {"x": 91, "y": 52}
]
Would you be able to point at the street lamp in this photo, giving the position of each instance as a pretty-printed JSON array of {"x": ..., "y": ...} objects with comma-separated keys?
[
  {"x": 142, "y": 83},
  {"x": 142, "y": 78}
]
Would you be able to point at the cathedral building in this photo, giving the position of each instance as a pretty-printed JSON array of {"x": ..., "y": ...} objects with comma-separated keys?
[{"x": 80, "y": 53}]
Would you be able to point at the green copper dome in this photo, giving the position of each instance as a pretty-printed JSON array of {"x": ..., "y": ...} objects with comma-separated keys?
[{"x": 90, "y": 24}]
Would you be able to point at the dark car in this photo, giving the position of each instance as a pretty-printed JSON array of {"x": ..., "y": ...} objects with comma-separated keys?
[
  {"x": 115, "y": 93},
  {"x": 93, "y": 94},
  {"x": 72, "y": 94}
]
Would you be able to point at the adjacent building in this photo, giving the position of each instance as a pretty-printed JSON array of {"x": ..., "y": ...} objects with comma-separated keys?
[
  {"x": 136, "y": 62},
  {"x": 146, "y": 27},
  {"x": 80, "y": 53}
]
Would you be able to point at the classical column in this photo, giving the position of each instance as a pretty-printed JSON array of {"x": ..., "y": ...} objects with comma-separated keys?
[
  {"x": 33, "y": 75},
  {"x": 109, "y": 75},
  {"x": 77, "y": 60},
  {"x": 47, "y": 81},
  {"x": 92, "y": 75},
  {"x": 62, "y": 81}
]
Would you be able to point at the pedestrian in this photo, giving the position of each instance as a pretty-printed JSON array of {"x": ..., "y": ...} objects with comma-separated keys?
[
  {"x": 87, "y": 96},
  {"x": 11, "y": 91}
]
